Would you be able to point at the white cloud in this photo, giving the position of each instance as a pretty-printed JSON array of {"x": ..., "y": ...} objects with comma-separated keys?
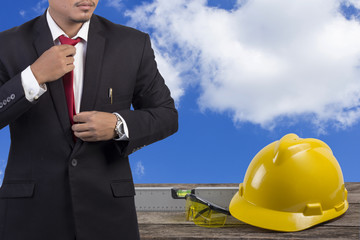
[
  {"x": 173, "y": 79},
  {"x": 261, "y": 62},
  {"x": 140, "y": 169},
  {"x": 355, "y": 3},
  {"x": 117, "y": 4},
  {"x": 22, "y": 13},
  {"x": 40, "y": 7}
]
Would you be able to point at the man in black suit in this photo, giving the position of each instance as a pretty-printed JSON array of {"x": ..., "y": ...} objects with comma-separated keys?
[{"x": 68, "y": 177}]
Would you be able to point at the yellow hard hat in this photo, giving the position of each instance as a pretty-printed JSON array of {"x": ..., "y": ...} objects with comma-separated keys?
[{"x": 290, "y": 185}]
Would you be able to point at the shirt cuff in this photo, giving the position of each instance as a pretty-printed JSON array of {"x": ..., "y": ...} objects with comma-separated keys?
[
  {"x": 31, "y": 87},
  {"x": 126, "y": 130}
]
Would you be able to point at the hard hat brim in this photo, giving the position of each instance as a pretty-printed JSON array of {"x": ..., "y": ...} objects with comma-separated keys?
[{"x": 257, "y": 216}]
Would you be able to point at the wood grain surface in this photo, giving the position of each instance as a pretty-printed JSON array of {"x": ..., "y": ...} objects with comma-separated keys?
[{"x": 172, "y": 225}]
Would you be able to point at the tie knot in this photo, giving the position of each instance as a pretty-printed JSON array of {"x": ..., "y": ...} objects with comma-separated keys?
[{"x": 69, "y": 41}]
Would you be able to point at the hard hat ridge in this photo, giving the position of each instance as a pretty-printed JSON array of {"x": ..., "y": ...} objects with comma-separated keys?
[{"x": 291, "y": 144}]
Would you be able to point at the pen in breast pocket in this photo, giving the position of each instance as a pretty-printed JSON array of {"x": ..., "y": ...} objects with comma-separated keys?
[{"x": 111, "y": 95}]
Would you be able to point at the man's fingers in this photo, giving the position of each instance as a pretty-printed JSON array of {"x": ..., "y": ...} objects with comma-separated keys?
[
  {"x": 64, "y": 50},
  {"x": 71, "y": 51},
  {"x": 78, "y": 118},
  {"x": 82, "y": 117},
  {"x": 87, "y": 136},
  {"x": 94, "y": 126},
  {"x": 69, "y": 60},
  {"x": 80, "y": 127},
  {"x": 65, "y": 54},
  {"x": 67, "y": 48},
  {"x": 69, "y": 68},
  {"x": 54, "y": 63}
]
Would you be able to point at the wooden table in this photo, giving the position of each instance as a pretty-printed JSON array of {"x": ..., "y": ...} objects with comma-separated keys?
[{"x": 172, "y": 225}]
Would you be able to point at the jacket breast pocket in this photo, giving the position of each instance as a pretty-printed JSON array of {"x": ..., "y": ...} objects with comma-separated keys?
[
  {"x": 114, "y": 107},
  {"x": 123, "y": 188},
  {"x": 17, "y": 190},
  {"x": 114, "y": 102}
]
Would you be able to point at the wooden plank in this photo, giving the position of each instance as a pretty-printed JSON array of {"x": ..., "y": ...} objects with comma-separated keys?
[
  {"x": 353, "y": 187},
  {"x": 353, "y": 192},
  {"x": 172, "y": 225},
  {"x": 351, "y": 218},
  {"x": 188, "y": 232}
]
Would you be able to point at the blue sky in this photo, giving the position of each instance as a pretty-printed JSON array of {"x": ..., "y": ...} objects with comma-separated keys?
[{"x": 243, "y": 74}]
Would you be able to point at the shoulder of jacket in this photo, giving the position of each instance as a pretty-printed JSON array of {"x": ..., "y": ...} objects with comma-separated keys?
[
  {"x": 22, "y": 29},
  {"x": 17, "y": 35},
  {"x": 115, "y": 28}
]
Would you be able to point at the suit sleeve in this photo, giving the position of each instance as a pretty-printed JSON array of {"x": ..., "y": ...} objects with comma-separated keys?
[
  {"x": 12, "y": 97},
  {"x": 154, "y": 116}
]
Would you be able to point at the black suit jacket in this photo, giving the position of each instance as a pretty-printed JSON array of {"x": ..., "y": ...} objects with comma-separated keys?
[{"x": 54, "y": 187}]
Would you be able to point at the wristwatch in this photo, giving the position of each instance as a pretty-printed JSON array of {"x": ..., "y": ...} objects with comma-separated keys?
[{"x": 119, "y": 127}]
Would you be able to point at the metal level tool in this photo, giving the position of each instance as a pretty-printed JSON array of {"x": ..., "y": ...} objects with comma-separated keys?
[{"x": 169, "y": 199}]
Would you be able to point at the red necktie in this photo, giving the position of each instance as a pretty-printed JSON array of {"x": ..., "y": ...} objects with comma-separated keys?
[{"x": 68, "y": 80}]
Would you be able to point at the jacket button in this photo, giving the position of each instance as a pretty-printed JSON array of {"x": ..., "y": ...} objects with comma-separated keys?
[{"x": 74, "y": 162}]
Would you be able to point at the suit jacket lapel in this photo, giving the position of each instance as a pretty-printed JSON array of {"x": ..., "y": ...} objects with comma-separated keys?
[
  {"x": 43, "y": 41},
  {"x": 93, "y": 65}
]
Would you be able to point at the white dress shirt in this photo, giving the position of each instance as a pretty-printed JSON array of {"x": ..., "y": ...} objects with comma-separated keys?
[{"x": 32, "y": 88}]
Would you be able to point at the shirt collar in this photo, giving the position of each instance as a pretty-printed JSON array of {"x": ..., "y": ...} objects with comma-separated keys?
[{"x": 56, "y": 31}]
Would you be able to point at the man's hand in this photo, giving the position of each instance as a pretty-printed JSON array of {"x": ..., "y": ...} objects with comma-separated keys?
[
  {"x": 94, "y": 126},
  {"x": 54, "y": 63}
]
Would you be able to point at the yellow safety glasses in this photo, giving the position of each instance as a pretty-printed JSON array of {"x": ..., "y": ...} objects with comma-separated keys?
[{"x": 204, "y": 213}]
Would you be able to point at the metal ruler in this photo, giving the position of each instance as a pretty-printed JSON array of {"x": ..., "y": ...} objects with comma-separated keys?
[
  {"x": 164, "y": 199},
  {"x": 219, "y": 195}
]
